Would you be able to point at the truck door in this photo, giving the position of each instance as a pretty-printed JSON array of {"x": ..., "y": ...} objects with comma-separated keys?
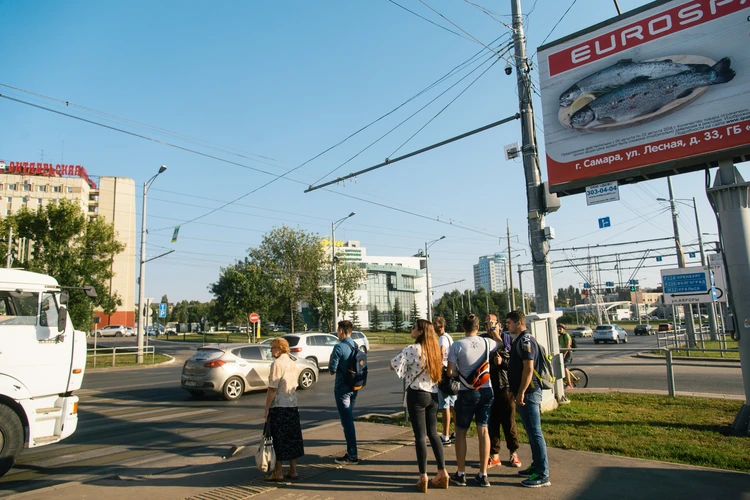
[{"x": 32, "y": 351}]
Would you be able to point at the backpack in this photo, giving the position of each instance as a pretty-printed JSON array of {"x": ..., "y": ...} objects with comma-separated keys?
[
  {"x": 481, "y": 375},
  {"x": 573, "y": 343},
  {"x": 356, "y": 371},
  {"x": 542, "y": 366}
]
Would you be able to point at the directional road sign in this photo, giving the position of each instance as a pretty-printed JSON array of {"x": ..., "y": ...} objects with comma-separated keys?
[
  {"x": 687, "y": 285},
  {"x": 720, "y": 281},
  {"x": 609, "y": 283},
  {"x": 604, "y": 222},
  {"x": 163, "y": 310},
  {"x": 691, "y": 255},
  {"x": 659, "y": 258}
]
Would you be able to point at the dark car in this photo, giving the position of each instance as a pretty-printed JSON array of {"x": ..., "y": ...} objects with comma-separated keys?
[
  {"x": 644, "y": 330},
  {"x": 665, "y": 327}
]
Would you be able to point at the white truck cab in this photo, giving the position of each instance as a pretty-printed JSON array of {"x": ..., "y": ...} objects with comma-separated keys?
[{"x": 42, "y": 360}]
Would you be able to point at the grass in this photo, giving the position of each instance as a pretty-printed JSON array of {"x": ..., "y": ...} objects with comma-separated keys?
[
  {"x": 105, "y": 360},
  {"x": 692, "y": 431},
  {"x": 708, "y": 345}
]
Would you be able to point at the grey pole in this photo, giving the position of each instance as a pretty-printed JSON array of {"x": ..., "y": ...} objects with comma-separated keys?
[
  {"x": 712, "y": 305},
  {"x": 729, "y": 198},
  {"x": 333, "y": 270},
  {"x": 9, "y": 257},
  {"x": 427, "y": 275},
  {"x": 510, "y": 268},
  {"x": 688, "y": 309},
  {"x": 520, "y": 287},
  {"x": 142, "y": 273}
]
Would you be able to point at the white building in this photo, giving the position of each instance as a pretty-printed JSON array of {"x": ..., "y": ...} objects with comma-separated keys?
[{"x": 490, "y": 273}]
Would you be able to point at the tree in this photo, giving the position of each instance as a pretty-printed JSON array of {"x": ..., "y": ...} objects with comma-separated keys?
[
  {"x": 375, "y": 319},
  {"x": 355, "y": 320},
  {"x": 397, "y": 315},
  {"x": 293, "y": 261},
  {"x": 74, "y": 251},
  {"x": 414, "y": 312}
]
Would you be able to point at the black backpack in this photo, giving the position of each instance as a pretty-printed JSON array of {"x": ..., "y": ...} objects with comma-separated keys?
[{"x": 356, "y": 372}]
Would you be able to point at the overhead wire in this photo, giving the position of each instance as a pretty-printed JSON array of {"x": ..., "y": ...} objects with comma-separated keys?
[
  {"x": 432, "y": 22},
  {"x": 456, "y": 25}
]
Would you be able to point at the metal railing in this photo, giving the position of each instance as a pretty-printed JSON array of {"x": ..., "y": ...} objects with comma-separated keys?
[
  {"x": 677, "y": 339},
  {"x": 113, "y": 352}
]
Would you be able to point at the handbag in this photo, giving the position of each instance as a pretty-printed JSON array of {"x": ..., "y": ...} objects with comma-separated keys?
[
  {"x": 449, "y": 386},
  {"x": 265, "y": 456}
]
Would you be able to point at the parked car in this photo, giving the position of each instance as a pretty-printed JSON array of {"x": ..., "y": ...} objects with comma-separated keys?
[
  {"x": 316, "y": 347},
  {"x": 665, "y": 327},
  {"x": 115, "y": 331},
  {"x": 644, "y": 330},
  {"x": 581, "y": 331},
  {"x": 233, "y": 369},
  {"x": 610, "y": 333},
  {"x": 153, "y": 331}
]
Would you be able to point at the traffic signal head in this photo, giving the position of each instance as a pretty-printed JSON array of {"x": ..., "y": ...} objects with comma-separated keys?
[{"x": 632, "y": 288}]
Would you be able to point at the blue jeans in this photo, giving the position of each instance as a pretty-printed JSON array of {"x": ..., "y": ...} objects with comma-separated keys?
[
  {"x": 345, "y": 404},
  {"x": 531, "y": 416}
]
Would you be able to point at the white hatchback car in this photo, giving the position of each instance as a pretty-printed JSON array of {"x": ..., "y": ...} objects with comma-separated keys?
[
  {"x": 610, "y": 333},
  {"x": 315, "y": 347},
  {"x": 115, "y": 331}
]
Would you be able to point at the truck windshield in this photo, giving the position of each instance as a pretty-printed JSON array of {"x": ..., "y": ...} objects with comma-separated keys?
[{"x": 18, "y": 308}]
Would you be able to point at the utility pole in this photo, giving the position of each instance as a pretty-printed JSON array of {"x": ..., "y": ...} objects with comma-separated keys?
[
  {"x": 712, "y": 305},
  {"x": 9, "y": 257},
  {"x": 534, "y": 188},
  {"x": 520, "y": 287},
  {"x": 510, "y": 269},
  {"x": 687, "y": 310}
]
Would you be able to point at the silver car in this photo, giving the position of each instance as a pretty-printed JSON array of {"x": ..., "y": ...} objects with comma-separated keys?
[
  {"x": 610, "y": 333},
  {"x": 233, "y": 369}
]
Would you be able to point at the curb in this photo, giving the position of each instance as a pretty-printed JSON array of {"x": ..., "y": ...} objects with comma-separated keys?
[
  {"x": 686, "y": 358},
  {"x": 171, "y": 360}
]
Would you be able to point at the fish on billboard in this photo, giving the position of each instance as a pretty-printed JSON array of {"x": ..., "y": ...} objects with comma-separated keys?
[{"x": 663, "y": 88}]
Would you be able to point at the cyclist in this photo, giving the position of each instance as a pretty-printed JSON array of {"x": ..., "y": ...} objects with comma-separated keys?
[{"x": 566, "y": 343}]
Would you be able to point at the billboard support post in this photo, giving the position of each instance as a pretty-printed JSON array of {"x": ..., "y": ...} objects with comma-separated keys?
[
  {"x": 687, "y": 308},
  {"x": 534, "y": 187},
  {"x": 729, "y": 198}
]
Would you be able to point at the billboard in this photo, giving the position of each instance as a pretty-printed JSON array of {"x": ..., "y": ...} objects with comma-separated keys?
[{"x": 661, "y": 90}]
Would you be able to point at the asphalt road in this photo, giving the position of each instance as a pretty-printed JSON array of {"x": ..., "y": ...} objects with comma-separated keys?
[{"x": 139, "y": 421}]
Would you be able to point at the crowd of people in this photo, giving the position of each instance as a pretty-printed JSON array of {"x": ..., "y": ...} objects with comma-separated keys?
[{"x": 497, "y": 377}]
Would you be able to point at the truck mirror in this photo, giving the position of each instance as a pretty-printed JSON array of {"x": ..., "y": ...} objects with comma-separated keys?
[
  {"x": 62, "y": 319},
  {"x": 90, "y": 291},
  {"x": 64, "y": 298}
]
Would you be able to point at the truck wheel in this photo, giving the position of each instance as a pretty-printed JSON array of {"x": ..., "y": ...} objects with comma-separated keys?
[{"x": 11, "y": 438}]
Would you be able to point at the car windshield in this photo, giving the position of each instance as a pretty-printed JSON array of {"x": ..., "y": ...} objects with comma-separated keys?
[
  {"x": 292, "y": 339},
  {"x": 604, "y": 327}
]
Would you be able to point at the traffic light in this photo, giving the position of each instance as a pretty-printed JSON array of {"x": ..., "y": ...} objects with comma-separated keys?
[{"x": 632, "y": 288}]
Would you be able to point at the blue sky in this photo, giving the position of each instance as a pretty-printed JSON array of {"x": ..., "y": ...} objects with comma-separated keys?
[{"x": 272, "y": 84}]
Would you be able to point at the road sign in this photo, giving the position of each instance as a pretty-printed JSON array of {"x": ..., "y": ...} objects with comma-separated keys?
[
  {"x": 163, "y": 310},
  {"x": 175, "y": 233},
  {"x": 602, "y": 193},
  {"x": 720, "y": 280},
  {"x": 609, "y": 283},
  {"x": 604, "y": 222},
  {"x": 254, "y": 318},
  {"x": 691, "y": 255},
  {"x": 586, "y": 286},
  {"x": 659, "y": 258},
  {"x": 687, "y": 285}
]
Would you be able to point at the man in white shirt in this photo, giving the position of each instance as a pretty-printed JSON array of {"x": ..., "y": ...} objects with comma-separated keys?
[{"x": 446, "y": 402}]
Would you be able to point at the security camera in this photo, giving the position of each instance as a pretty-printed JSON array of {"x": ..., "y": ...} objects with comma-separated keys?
[{"x": 508, "y": 68}]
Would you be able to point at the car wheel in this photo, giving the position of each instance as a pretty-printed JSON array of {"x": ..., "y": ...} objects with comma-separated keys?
[
  {"x": 363, "y": 349},
  {"x": 233, "y": 389},
  {"x": 626, "y": 339},
  {"x": 313, "y": 360},
  {"x": 617, "y": 340},
  {"x": 306, "y": 379},
  {"x": 11, "y": 438}
]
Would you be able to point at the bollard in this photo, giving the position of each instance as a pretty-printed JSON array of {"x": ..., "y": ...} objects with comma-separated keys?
[
  {"x": 114, "y": 350},
  {"x": 670, "y": 374}
]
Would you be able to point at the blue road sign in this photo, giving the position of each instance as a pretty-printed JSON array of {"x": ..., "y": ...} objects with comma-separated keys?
[
  {"x": 685, "y": 283},
  {"x": 609, "y": 283},
  {"x": 658, "y": 258},
  {"x": 163, "y": 310},
  {"x": 691, "y": 255},
  {"x": 585, "y": 285},
  {"x": 604, "y": 222}
]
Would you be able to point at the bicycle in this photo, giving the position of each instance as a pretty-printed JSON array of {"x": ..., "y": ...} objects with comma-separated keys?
[{"x": 578, "y": 378}]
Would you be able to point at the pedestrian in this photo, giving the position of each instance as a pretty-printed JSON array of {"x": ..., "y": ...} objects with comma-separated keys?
[
  {"x": 420, "y": 365},
  {"x": 503, "y": 411},
  {"x": 446, "y": 402},
  {"x": 565, "y": 341},
  {"x": 282, "y": 413},
  {"x": 524, "y": 360},
  {"x": 343, "y": 393},
  {"x": 465, "y": 359}
]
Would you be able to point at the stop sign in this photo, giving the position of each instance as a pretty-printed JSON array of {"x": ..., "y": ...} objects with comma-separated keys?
[{"x": 254, "y": 318}]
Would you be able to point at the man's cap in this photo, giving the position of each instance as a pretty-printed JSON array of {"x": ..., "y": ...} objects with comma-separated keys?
[{"x": 562, "y": 325}]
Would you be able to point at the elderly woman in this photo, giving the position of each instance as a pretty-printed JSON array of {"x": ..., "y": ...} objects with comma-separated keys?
[{"x": 281, "y": 411}]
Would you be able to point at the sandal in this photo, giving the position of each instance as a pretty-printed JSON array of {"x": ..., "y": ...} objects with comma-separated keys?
[
  {"x": 272, "y": 477},
  {"x": 292, "y": 477},
  {"x": 422, "y": 485},
  {"x": 440, "y": 482}
]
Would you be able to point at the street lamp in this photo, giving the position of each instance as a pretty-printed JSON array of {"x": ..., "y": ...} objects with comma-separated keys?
[
  {"x": 711, "y": 310},
  {"x": 334, "y": 225},
  {"x": 427, "y": 274},
  {"x": 142, "y": 278}
]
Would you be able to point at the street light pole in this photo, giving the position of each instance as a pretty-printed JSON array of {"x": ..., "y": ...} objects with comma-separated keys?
[
  {"x": 712, "y": 305},
  {"x": 334, "y": 225},
  {"x": 142, "y": 274},
  {"x": 427, "y": 275}
]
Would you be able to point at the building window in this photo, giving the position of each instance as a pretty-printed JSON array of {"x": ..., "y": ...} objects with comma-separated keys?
[
  {"x": 70, "y": 189},
  {"x": 7, "y": 212},
  {"x": 41, "y": 189},
  {"x": 25, "y": 199},
  {"x": 1, "y": 186},
  {"x": 39, "y": 201},
  {"x": 11, "y": 187},
  {"x": 10, "y": 199},
  {"x": 57, "y": 189},
  {"x": 27, "y": 187}
]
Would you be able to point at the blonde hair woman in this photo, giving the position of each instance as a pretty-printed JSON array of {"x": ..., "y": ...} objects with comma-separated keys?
[
  {"x": 282, "y": 414},
  {"x": 421, "y": 366}
]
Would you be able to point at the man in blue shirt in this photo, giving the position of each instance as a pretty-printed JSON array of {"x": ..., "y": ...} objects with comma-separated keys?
[
  {"x": 524, "y": 357},
  {"x": 344, "y": 394}
]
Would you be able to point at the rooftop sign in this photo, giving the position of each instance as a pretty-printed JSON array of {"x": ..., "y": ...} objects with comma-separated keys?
[{"x": 46, "y": 169}]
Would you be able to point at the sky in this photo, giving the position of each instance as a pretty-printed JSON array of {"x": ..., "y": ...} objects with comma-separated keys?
[{"x": 232, "y": 95}]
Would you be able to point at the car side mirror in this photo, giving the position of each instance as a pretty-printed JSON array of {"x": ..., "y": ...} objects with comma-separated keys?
[{"x": 62, "y": 319}]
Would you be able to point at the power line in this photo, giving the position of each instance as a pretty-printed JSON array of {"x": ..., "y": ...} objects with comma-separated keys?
[
  {"x": 432, "y": 22},
  {"x": 457, "y": 26}
]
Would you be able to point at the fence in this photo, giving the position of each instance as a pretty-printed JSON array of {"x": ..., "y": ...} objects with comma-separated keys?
[
  {"x": 117, "y": 351},
  {"x": 677, "y": 339}
]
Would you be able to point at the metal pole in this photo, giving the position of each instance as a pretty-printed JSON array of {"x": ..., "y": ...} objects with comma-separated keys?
[
  {"x": 729, "y": 198},
  {"x": 9, "y": 257},
  {"x": 704, "y": 263},
  {"x": 534, "y": 189},
  {"x": 469, "y": 301},
  {"x": 638, "y": 307},
  {"x": 333, "y": 269},
  {"x": 507, "y": 290},
  {"x": 427, "y": 275},
  {"x": 689, "y": 327},
  {"x": 142, "y": 278},
  {"x": 670, "y": 374},
  {"x": 520, "y": 287},
  {"x": 510, "y": 268}
]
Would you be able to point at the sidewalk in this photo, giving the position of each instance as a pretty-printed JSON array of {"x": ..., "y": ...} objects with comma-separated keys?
[{"x": 388, "y": 469}]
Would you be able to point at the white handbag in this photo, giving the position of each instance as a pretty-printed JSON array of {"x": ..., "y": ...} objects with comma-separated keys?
[{"x": 265, "y": 456}]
